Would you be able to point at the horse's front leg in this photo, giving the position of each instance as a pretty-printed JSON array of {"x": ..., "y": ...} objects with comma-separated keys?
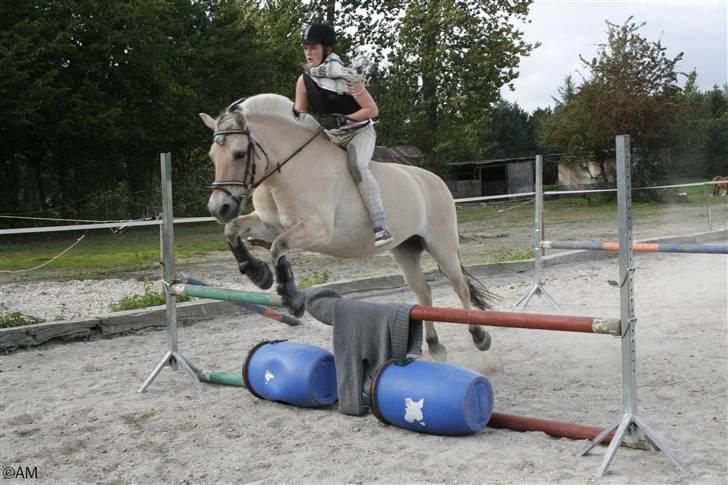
[
  {"x": 302, "y": 235},
  {"x": 250, "y": 226}
]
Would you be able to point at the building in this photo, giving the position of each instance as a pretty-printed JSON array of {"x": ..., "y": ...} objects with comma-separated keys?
[
  {"x": 585, "y": 175},
  {"x": 491, "y": 177}
]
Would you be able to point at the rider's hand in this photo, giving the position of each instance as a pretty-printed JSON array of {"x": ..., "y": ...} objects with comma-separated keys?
[
  {"x": 334, "y": 121},
  {"x": 355, "y": 87}
]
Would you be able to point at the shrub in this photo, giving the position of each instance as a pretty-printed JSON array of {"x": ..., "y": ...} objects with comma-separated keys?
[
  {"x": 16, "y": 319},
  {"x": 148, "y": 299},
  {"x": 314, "y": 278}
]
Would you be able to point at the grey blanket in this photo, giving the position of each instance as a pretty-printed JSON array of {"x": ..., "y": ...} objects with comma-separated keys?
[{"x": 365, "y": 336}]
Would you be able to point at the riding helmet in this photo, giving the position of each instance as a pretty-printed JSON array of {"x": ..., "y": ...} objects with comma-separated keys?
[{"x": 318, "y": 33}]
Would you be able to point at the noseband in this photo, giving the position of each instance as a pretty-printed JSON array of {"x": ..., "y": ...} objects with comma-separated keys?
[{"x": 248, "y": 182}]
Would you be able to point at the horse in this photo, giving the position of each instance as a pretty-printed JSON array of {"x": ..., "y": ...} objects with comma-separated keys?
[
  {"x": 304, "y": 197},
  {"x": 721, "y": 185}
]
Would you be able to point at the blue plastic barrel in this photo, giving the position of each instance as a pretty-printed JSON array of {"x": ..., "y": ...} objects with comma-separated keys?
[
  {"x": 298, "y": 374},
  {"x": 432, "y": 397}
]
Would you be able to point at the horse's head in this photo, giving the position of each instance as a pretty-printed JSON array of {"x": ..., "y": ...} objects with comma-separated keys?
[{"x": 239, "y": 162}]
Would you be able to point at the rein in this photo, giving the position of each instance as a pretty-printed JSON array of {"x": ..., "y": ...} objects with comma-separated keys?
[{"x": 249, "y": 176}]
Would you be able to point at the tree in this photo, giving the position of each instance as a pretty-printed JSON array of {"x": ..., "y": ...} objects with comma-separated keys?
[
  {"x": 632, "y": 89},
  {"x": 442, "y": 64},
  {"x": 510, "y": 132},
  {"x": 93, "y": 91},
  {"x": 716, "y": 146}
]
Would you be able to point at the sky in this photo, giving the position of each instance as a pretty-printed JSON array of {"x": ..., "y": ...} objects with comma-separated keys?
[{"x": 568, "y": 28}]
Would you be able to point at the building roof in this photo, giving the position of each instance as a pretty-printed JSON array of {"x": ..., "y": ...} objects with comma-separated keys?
[{"x": 404, "y": 154}]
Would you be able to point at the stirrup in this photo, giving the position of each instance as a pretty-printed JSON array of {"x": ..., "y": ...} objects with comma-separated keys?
[{"x": 382, "y": 237}]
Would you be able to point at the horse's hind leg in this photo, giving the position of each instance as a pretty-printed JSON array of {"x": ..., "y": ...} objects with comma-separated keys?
[
  {"x": 408, "y": 257},
  {"x": 450, "y": 265}
]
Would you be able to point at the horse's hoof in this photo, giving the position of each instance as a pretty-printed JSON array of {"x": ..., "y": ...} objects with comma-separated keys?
[
  {"x": 438, "y": 352},
  {"x": 296, "y": 303},
  {"x": 484, "y": 343}
]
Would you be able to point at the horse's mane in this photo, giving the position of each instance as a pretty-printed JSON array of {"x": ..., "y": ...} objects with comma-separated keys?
[{"x": 265, "y": 104}]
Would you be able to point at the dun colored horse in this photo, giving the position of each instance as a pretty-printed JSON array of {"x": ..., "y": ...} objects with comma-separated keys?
[
  {"x": 720, "y": 186},
  {"x": 305, "y": 198}
]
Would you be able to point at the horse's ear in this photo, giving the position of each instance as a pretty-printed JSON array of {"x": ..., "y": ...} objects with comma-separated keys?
[
  {"x": 209, "y": 121},
  {"x": 239, "y": 118}
]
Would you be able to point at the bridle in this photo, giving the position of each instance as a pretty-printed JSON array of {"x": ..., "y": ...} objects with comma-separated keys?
[{"x": 248, "y": 182}]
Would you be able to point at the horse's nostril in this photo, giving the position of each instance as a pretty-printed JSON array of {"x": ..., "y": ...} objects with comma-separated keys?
[{"x": 225, "y": 210}]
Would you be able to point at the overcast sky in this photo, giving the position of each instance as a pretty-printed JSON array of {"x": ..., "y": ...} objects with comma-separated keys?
[{"x": 567, "y": 28}]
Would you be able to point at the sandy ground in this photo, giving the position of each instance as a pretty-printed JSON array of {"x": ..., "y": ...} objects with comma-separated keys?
[{"x": 72, "y": 410}]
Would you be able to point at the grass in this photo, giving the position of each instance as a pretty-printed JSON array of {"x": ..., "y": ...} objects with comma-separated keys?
[
  {"x": 16, "y": 319},
  {"x": 147, "y": 299},
  {"x": 314, "y": 278},
  {"x": 104, "y": 253},
  {"x": 101, "y": 253}
]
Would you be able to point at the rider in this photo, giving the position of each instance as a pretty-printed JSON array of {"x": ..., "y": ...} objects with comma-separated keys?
[{"x": 341, "y": 103}]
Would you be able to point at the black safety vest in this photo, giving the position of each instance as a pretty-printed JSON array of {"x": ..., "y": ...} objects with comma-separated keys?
[{"x": 324, "y": 102}]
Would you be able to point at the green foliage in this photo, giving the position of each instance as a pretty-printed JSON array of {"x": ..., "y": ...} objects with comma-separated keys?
[
  {"x": 505, "y": 255},
  {"x": 632, "y": 89},
  {"x": 106, "y": 253},
  {"x": 445, "y": 64},
  {"x": 512, "y": 133},
  {"x": 148, "y": 299},
  {"x": 314, "y": 278},
  {"x": 16, "y": 319},
  {"x": 92, "y": 92},
  {"x": 716, "y": 142}
]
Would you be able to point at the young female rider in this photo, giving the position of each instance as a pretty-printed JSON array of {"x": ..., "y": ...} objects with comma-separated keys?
[{"x": 338, "y": 99}]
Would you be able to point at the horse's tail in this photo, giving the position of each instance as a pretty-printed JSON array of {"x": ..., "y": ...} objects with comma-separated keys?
[{"x": 480, "y": 296}]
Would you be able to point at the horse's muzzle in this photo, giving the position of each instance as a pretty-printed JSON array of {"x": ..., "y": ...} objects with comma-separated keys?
[{"x": 224, "y": 206}]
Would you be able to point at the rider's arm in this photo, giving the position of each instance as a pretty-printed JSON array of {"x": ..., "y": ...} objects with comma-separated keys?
[
  {"x": 366, "y": 102},
  {"x": 301, "y": 104}
]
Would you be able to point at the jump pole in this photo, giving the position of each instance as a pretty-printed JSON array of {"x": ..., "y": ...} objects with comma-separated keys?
[
  {"x": 263, "y": 310},
  {"x": 215, "y": 293},
  {"x": 639, "y": 247},
  {"x": 563, "y": 323},
  {"x": 536, "y": 321}
]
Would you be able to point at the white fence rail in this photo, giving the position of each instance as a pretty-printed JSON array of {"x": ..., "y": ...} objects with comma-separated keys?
[{"x": 192, "y": 220}]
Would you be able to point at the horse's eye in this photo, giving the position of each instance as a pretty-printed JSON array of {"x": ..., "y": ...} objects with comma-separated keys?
[{"x": 238, "y": 155}]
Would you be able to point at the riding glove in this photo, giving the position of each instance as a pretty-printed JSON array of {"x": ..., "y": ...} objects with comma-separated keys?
[{"x": 334, "y": 121}]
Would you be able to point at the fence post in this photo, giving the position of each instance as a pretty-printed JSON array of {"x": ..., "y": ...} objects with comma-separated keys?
[
  {"x": 172, "y": 357},
  {"x": 538, "y": 251},
  {"x": 631, "y": 423}
]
